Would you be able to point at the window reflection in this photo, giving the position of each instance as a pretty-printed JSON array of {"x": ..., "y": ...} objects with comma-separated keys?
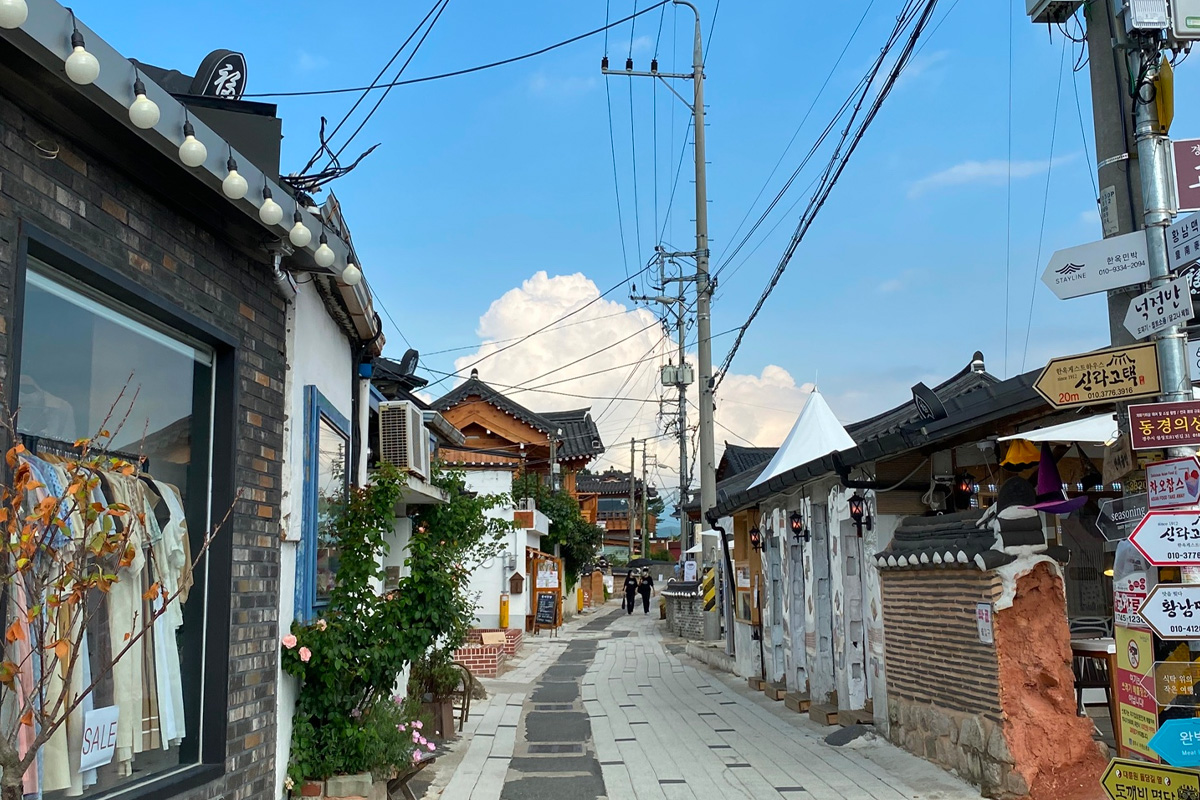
[{"x": 331, "y": 489}]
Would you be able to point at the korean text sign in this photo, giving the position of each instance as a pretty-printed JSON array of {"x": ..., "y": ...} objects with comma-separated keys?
[
  {"x": 1173, "y": 483},
  {"x": 1100, "y": 377},
  {"x": 1155, "y": 425}
]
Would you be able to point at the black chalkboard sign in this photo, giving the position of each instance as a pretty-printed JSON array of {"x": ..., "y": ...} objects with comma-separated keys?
[{"x": 547, "y": 609}]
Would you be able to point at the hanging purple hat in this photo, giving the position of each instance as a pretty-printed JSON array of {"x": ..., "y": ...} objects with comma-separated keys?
[{"x": 1050, "y": 495}]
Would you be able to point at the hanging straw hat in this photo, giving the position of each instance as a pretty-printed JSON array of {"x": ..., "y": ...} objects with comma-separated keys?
[
  {"x": 1021, "y": 455},
  {"x": 1051, "y": 498}
]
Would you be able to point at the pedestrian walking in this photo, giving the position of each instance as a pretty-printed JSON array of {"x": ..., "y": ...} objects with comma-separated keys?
[
  {"x": 645, "y": 587},
  {"x": 631, "y": 589},
  {"x": 678, "y": 570}
]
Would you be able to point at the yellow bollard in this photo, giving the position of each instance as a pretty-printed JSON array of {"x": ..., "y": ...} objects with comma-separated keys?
[
  {"x": 578, "y": 599},
  {"x": 503, "y": 610}
]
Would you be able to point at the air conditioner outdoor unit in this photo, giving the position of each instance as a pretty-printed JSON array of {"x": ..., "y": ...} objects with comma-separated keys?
[{"x": 403, "y": 441}]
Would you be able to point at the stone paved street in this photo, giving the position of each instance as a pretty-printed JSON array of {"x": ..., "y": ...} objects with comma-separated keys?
[{"x": 608, "y": 710}]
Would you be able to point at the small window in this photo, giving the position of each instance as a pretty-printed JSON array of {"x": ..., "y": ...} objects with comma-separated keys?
[{"x": 326, "y": 462}]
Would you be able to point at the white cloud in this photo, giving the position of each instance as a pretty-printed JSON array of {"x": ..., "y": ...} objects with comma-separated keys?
[
  {"x": 761, "y": 408},
  {"x": 307, "y": 62},
  {"x": 559, "y": 87},
  {"x": 993, "y": 172},
  {"x": 921, "y": 66},
  {"x": 1090, "y": 217},
  {"x": 642, "y": 44}
]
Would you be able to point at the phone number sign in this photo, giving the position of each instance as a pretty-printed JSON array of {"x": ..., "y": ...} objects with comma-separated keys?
[
  {"x": 1169, "y": 538},
  {"x": 1173, "y": 611}
]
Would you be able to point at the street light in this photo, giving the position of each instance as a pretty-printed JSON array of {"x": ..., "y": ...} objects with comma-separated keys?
[
  {"x": 858, "y": 513},
  {"x": 798, "y": 532}
]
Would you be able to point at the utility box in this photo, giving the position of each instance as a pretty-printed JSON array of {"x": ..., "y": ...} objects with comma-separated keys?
[
  {"x": 1146, "y": 15},
  {"x": 1051, "y": 11},
  {"x": 1185, "y": 19},
  {"x": 516, "y": 584}
]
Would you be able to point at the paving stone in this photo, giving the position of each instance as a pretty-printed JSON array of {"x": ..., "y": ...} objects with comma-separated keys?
[{"x": 557, "y": 726}]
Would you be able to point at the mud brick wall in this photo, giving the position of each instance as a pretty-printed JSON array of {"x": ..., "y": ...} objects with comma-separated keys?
[
  {"x": 513, "y": 638},
  {"x": 78, "y": 199}
]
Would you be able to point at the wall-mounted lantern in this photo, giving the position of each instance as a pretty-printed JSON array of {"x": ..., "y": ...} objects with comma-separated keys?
[
  {"x": 799, "y": 533},
  {"x": 755, "y": 539},
  {"x": 858, "y": 513}
]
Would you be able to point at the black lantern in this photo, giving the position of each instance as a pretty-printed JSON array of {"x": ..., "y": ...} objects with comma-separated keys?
[
  {"x": 798, "y": 531},
  {"x": 858, "y": 513},
  {"x": 755, "y": 539}
]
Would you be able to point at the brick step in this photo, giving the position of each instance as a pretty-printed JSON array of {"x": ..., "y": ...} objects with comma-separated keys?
[
  {"x": 775, "y": 691},
  {"x": 756, "y": 684},
  {"x": 847, "y": 717},
  {"x": 823, "y": 714},
  {"x": 797, "y": 701}
]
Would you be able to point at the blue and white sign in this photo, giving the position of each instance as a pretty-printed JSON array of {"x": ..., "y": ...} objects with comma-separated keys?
[
  {"x": 1111, "y": 263},
  {"x": 1178, "y": 742}
]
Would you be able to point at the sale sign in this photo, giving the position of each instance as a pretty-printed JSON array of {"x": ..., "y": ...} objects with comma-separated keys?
[
  {"x": 1173, "y": 483},
  {"x": 99, "y": 738}
]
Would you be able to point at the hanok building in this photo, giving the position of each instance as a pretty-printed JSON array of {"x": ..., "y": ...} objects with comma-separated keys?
[
  {"x": 604, "y": 500},
  {"x": 499, "y": 430}
]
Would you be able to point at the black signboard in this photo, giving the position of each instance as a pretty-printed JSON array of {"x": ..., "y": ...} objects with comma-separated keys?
[
  {"x": 547, "y": 609},
  {"x": 221, "y": 74}
]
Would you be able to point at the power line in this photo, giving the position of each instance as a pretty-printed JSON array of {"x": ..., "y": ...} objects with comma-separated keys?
[
  {"x": 468, "y": 70},
  {"x": 912, "y": 15},
  {"x": 612, "y": 145},
  {"x": 493, "y": 384},
  {"x": 593, "y": 354},
  {"x": 477, "y": 345}
]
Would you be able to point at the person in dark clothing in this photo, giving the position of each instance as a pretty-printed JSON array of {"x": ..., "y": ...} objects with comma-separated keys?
[
  {"x": 645, "y": 587},
  {"x": 631, "y": 588}
]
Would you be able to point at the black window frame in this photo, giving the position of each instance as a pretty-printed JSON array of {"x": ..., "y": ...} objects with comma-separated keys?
[{"x": 211, "y": 753}]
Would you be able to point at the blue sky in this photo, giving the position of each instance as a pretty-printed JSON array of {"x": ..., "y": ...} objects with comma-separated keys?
[{"x": 484, "y": 180}]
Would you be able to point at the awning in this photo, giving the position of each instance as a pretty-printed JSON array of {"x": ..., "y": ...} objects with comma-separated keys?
[
  {"x": 695, "y": 549},
  {"x": 1098, "y": 429}
]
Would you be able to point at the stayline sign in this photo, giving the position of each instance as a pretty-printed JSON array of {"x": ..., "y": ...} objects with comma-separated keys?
[
  {"x": 1112, "y": 263},
  {"x": 1169, "y": 539},
  {"x": 1172, "y": 611},
  {"x": 1102, "y": 376},
  {"x": 1159, "y": 308}
]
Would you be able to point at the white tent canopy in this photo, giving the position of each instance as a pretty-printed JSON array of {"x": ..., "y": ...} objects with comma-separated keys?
[
  {"x": 816, "y": 433},
  {"x": 1098, "y": 429}
]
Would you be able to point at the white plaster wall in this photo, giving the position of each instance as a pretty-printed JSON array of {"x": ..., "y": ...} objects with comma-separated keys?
[
  {"x": 849, "y": 619},
  {"x": 318, "y": 353},
  {"x": 491, "y": 578},
  {"x": 875, "y": 541}
]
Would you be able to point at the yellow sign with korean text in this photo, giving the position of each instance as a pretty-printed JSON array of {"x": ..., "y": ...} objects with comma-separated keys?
[
  {"x": 1138, "y": 713},
  {"x": 1102, "y": 376},
  {"x": 1135, "y": 780}
]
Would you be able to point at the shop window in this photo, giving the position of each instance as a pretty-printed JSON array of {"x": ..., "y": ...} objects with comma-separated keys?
[
  {"x": 326, "y": 459},
  {"x": 89, "y": 363}
]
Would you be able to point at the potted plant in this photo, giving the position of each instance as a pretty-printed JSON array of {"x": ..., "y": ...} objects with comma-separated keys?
[{"x": 435, "y": 679}]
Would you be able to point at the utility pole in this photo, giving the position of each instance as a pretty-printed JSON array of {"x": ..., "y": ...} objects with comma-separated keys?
[
  {"x": 645, "y": 531},
  {"x": 707, "y": 458},
  {"x": 629, "y": 515}
]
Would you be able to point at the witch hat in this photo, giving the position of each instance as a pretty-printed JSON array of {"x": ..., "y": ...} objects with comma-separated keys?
[{"x": 1050, "y": 495}]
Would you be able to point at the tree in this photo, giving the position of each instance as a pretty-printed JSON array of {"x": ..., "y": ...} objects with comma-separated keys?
[{"x": 580, "y": 540}]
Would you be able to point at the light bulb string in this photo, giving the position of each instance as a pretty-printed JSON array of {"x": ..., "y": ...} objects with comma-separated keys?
[
  {"x": 231, "y": 164},
  {"x": 139, "y": 88},
  {"x": 76, "y": 36}
]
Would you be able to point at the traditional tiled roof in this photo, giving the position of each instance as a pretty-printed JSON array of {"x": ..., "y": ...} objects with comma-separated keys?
[
  {"x": 975, "y": 539},
  {"x": 579, "y": 439},
  {"x": 737, "y": 459},
  {"x": 479, "y": 458},
  {"x": 608, "y": 483}
]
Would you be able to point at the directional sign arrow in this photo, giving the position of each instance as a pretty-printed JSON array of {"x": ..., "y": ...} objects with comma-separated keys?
[
  {"x": 1160, "y": 308},
  {"x": 1111, "y": 263},
  {"x": 1172, "y": 611},
  {"x": 1183, "y": 242},
  {"x": 1125, "y": 779},
  {"x": 1178, "y": 742},
  {"x": 1169, "y": 538},
  {"x": 1102, "y": 376}
]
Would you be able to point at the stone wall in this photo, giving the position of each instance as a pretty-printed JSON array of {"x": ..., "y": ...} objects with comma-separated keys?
[
  {"x": 971, "y": 745},
  {"x": 685, "y": 616}
]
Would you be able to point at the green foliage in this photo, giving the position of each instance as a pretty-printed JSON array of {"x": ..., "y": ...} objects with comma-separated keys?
[
  {"x": 655, "y": 506},
  {"x": 660, "y": 554},
  {"x": 579, "y": 539},
  {"x": 348, "y": 662},
  {"x": 435, "y": 675}
]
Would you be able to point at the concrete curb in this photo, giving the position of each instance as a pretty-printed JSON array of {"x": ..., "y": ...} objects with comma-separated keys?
[{"x": 717, "y": 659}]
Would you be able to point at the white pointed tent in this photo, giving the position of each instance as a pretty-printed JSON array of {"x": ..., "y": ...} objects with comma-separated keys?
[{"x": 816, "y": 433}]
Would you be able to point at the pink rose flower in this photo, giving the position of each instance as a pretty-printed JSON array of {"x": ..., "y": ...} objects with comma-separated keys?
[
  {"x": 418, "y": 724},
  {"x": 321, "y": 624},
  {"x": 401, "y": 727},
  {"x": 289, "y": 641},
  {"x": 431, "y": 746},
  {"x": 416, "y": 737},
  {"x": 397, "y": 699},
  {"x": 305, "y": 654},
  {"x": 421, "y": 740},
  {"x": 416, "y": 756}
]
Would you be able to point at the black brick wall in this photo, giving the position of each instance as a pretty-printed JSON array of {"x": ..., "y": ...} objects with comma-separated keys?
[{"x": 94, "y": 209}]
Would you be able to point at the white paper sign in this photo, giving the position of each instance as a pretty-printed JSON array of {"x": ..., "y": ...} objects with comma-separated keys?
[
  {"x": 983, "y": 622},
  {"x": 1169, "y": 304},
  {"x": 99, "y": 738},
  {"x": 1112, "y": 263},
  {"x": 689, "y": 570}
]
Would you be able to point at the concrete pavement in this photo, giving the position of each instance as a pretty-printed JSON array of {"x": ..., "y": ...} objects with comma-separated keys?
[{"x": 607, "y": 710}]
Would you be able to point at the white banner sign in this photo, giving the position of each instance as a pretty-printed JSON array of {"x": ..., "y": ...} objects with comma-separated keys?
[
  {"x": 1169, "y": 538},
  {"x": 1173, "y": 483},
  {"x": 1173, "y": 611},
  {"x": 1169, "y": 304},
  {"x": 99, "y": 738},
  {"x": 689, "y": 570},
  {"x": 1111, "y": 263},
  {"x": 1183, "y": 242}
]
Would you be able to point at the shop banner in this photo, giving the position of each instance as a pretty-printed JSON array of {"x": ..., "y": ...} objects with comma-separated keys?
[
  {"x": 1155, "y": 425},
  {"x": 1138, "y": 715},
  {"x": 1174, "y": 483},
  {"x": 1129, "y": 593},
  {"x": 1175, "y": 685}
]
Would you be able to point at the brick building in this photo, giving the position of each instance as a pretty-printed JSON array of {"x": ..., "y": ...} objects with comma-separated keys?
[{"x": 124, "y": 268}]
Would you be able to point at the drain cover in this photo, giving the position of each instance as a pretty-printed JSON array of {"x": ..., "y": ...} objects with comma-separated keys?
[
  {"x": 553, "y": 707},
  {"x": 555, "y": 748}
]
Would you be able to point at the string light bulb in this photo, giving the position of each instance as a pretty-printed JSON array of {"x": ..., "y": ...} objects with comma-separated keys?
[
  {"x": 299, "y": 235},
  {"x": 82, "y": 66},
  {"x": 143, "y": 112},
  {"x": 234, "y": 186},
  {"x": 324, "y": 255},
  {"x": 192, "y": 151},
  {"x": 270, "y": 212},
  {"x": 351, "y": 275},
  {"x": 13, "y": 13}
]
